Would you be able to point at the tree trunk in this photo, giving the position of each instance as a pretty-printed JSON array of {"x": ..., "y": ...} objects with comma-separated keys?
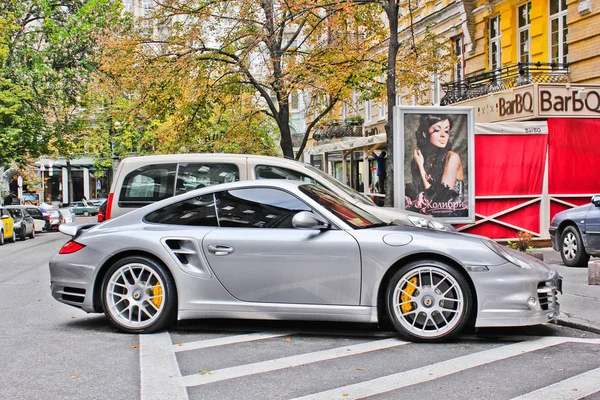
[
  {"x": 391, "y": 9},
  {"x": 70, "y": 182},
  {"x": 283, "y": 121}
]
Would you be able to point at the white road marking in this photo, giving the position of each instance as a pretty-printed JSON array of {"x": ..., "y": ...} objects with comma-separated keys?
[
  {"x": 574, "y": 388},
  {"x": 222, "y": 341},
  {"x": 433, "y": 371},
  {"x": 287, "y": 362},
  {"x": 158, "y": 369}
]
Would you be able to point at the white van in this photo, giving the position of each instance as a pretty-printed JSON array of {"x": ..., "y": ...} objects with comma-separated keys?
[{"x": 140, "y": 181}]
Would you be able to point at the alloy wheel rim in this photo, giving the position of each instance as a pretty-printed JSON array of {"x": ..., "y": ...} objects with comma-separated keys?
[
  {"x": 428, "y": 302},
  {"x": 570, "y": 246},
  {"x": 135, "y": 295}
]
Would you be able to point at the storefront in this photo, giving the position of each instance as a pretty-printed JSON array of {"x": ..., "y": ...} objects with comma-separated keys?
[{"x": 535, "y": 155}]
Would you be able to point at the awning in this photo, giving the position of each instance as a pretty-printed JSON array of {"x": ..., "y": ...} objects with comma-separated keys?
[{"x": 347, "y": 144}]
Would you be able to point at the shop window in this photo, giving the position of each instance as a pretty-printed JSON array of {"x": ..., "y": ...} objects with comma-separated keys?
[{"x": 460, "y": 58}]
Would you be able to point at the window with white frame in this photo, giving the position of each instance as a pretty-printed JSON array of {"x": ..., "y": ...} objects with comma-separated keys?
[
  {"x": 368, "y": 111},
  {"x": 495, "y": 46},
  {"x": 460, "y": 58},
  {"x": 294, "y": 100},
  {"x": 345, "y": 111},
  {"x": 524, "y": 22},
  {"x": 382, "y": 110},
  {"x": 558, "y": 31}
]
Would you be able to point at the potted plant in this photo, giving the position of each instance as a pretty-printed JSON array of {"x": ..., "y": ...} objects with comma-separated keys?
[
  {"x": 523, "y": 244},
  {"x": 354, "y": 120}
]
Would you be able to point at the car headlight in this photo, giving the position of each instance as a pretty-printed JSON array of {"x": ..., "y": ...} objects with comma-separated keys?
[
  {"x": 501, "y": 251},
  {"x": 430, "y": 224}
]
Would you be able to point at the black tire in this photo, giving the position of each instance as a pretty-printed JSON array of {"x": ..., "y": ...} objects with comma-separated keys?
[
  {"x": 1, "y": 238},
  {"x": 422, "y": 320},
  {"x": 13, "y": 239},
  {"x": 115, "y": 307},
  {"x": 32, "y": 234},
  {"x": 86, "y": 214},
  {"x": 571, "y": 248}
]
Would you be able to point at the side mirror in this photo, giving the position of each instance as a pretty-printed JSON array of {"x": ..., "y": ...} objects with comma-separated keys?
[
  {"x": 596, "y": 200},
  {"x": 309, "y": 220}
]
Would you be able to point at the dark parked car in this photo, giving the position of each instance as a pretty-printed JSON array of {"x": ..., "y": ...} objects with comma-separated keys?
[
  {"x": 24, "y": 226},
  {"x": 575, "y": 233},
  {"x": 37, "y": 213}
]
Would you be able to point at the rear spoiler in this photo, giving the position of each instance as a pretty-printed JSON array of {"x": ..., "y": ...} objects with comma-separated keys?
[{"x": 75, "y": 230}]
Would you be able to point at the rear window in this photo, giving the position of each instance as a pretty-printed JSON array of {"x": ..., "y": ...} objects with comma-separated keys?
[{"x": 148, "y": 184}]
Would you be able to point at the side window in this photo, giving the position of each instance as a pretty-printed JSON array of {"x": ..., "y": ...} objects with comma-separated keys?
[
  {"x": 147, "y": 185},
  {"x": 35, "y": 213},
  {"x": 258, "y": 208},
  {"x": 192, "y": 176},
  {"x": 197, "y": 211},
  {"x": 273, "y": 172}
]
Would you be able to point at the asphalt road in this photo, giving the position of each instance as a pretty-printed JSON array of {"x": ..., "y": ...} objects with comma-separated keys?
[{"x": 53, "y": 351}]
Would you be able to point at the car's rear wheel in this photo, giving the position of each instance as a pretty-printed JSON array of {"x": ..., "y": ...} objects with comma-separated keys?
[
  {"x": 1, "y": 238},
  {"x": 428, "y": 301},
  {"x": 139, "y": 295},
  {"x": 572, "y": 251}
]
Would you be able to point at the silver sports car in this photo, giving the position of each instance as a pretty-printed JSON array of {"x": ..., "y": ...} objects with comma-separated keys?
[{"x": 289, "y": 250}]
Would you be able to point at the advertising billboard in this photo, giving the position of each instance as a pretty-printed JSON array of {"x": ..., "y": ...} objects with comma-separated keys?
[{"x": 433, "y": 162}]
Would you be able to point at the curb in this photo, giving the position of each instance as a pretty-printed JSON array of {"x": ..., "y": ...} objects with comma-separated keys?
[{"x": 582, "y": 325}]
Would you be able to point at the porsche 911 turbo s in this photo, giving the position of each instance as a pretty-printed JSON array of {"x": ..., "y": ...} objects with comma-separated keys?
[{"x": 291, "y": 250}]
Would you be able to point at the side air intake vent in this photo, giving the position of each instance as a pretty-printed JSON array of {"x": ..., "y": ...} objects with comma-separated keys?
[{"x": 189, "y": 256}]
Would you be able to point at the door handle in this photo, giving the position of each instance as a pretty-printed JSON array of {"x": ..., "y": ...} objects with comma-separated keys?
[{"x": 219, "y": 249}]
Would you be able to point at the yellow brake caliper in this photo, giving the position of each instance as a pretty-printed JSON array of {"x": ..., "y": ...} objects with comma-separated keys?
[
  {"x": 407, "y": 292},
  {"x": 157, "y": 293}
]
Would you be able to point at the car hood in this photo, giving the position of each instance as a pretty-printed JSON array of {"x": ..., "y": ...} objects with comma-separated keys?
[{"x": 399, "y": 216}]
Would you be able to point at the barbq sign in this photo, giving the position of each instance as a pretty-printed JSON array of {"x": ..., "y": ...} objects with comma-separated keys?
[{"x": 537, "y": 101}]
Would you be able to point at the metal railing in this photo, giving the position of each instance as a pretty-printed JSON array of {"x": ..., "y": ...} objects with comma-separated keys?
[
  {"x": 338, "y": 129},
  {"x": 504, "y": 78}
]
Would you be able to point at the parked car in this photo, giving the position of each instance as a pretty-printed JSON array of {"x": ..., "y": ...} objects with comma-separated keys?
[
  {"x": 7, "y": 231},
  {"x": 140, "y": 181},
  {"x": 53, "y": 219},
  {"x": 24, "y": 225},
  {"x": 575, "y": 233},
  {"x": 67, "y": 215},
  {"x": 83, "y": 208},
  {"x": 293, "y": 250},
  {"x": 37, "y": 213}
]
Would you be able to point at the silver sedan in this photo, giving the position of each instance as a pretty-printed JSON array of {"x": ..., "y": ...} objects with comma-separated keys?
[{"x": 290, "y": 250}]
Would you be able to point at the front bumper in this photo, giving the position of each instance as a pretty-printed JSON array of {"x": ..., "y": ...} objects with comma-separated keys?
[
  {"x": 521, "y": 298},
  {"x": 553, "y": 238}
]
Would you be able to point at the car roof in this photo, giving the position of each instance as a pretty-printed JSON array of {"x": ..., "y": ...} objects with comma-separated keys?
[{"x": 190, "y": 157}]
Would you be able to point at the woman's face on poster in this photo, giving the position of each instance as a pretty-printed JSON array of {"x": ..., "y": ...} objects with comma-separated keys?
[{"x": 439, "y": 133}]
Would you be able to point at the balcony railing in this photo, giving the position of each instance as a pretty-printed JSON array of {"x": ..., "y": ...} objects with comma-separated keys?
[
  {"x": 338, "y": 129},
  {"x": 504, "y": 78}
]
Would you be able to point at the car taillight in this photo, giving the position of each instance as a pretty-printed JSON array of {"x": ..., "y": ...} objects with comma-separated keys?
[
  {"x": 71, "y": 247},
  {"x": 109, "y": 206},
  {"x": 101, "y": 216}
]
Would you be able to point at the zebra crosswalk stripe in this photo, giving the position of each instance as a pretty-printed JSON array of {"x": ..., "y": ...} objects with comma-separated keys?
[
  {"x": 288, "y": 362},
  {"x": 222, "y": 341},
  {"x": 434, "y": 371},
  {"x": 576, "y": 387}
]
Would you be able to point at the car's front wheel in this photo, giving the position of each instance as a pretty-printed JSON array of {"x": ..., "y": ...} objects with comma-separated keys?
[
  {"x": 428, "y": 300},
  {"x": 139, "y": 295},
  {"x": 32, "y": 234},
  {"x": 86, "y": 214},
  {"x": 1, "y": 238},
  {"x": 572, "y": 251},
  {"x": 13, "y": 238}
]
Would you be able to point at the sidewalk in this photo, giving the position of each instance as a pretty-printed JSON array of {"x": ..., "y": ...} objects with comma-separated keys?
[{"x": 580, "y": 302}]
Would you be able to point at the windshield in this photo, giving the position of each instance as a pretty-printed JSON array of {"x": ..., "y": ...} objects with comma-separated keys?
[
  {"x": 339, "y": 185},
  {"x": 346, "y": 211}
]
